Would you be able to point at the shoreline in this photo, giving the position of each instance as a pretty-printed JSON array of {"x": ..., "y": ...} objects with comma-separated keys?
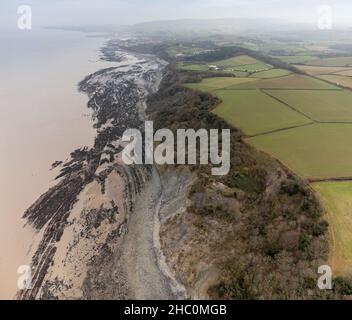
[
  {"x": 47, "y": 126},
  {"x": 91, "y": 205}
]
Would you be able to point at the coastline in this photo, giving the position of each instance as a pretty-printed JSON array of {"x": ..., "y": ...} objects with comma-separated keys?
[
  {"x": 46, "y": 126},
  {"x": 87, "y": 218}
]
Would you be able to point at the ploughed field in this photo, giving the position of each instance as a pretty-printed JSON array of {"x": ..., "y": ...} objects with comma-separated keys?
[
  {"x": 332, "y": 62},
  {"x": 305, "y": 121},
  {"x": 337, "y": 70}
]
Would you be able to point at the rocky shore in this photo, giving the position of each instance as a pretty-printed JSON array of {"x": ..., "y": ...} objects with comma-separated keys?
[{"x": 96, "y": 228}]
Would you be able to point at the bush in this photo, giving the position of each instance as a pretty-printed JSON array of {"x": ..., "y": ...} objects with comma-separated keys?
[
  {"x": 343, "y": 286},
  {"x": 304, "y": 242},
  {"x": 320, "y": 229},
  {"x": 291, "y": 188},
  {"x": 271, "y": 249}
]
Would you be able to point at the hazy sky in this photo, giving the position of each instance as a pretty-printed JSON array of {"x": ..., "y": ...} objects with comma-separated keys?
[{"x": 93, "y": 12}]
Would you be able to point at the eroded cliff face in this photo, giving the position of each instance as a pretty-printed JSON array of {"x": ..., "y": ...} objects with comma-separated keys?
[
  {"x": 95, "y": 227},
  {"x": 256, "y": 233},
  {"x": 136, "y": 268}
]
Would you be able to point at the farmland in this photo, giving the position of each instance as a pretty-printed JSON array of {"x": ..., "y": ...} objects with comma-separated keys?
[
  {"x": 215, "y": 83},
  {"x": 319, "y": 151},
  {"x": 337, "y": 197},
  {"x": 316, "y": 70},
  {"x": 337, "y": 70},
  {"x": 347, "y": 73},
  {"x": 341, "y": 76},
  {"x": 193, "y": 66},
  {"x": 255, "y": 112},
  {"x": 254, "y": 67},
  {"x": 339, "y": 80},
  {"x": 332, "y": 62},
  {"x": 239, "y": 66},
  {"x": 294, "y": 81},
  {"x": 272, "y": 73},
  {"x": 237, "y": 61},
  {"x": 304, "y": 122},
  {"x": 297, "y": 58},
  {"x": 320, "y": 105}
]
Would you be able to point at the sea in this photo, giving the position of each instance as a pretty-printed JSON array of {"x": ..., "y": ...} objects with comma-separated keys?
[{"x": 43, "y": 118}]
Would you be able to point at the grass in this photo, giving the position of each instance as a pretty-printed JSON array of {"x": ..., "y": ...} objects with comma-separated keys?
[
  {"x": 293, "y": 81},
  {"x": 240, "y": 74},
  {"x": 255, "y": 67},
  {"x": 203, "y": 67},
  {"x": 273, "y": 73},
  {"x": 337, "y": 197},
  {"x": 193, "y": 66},
  {"x": 325, "y": 106},
  {"x": 254, "y": 112},
  {"x": 339, "y": 80},
  {"x": 236, "y": 61},
  {"x": 333, "y": 62},
  {"x": 211, "y": 84},
  {"x": 240, "y": 66},
  {"x": 318, "y": 151}
]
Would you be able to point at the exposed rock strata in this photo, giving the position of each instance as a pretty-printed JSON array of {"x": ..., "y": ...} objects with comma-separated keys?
[{"x": 85, "y": 223}]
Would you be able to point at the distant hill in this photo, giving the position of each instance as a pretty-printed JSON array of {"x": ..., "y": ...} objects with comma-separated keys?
[
  {"x": 216, "y": 26},
  {"x": 194, "y": 27}
]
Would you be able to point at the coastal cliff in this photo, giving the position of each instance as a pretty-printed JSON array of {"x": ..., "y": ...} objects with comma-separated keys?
[{"x": 112, "y": 231}]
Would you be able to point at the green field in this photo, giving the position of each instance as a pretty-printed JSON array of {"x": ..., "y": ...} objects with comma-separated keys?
[
  {"x": 211, "y": 84},
  {"x": 273, "y": 73},
  {"x": 254, "y": 112},
  {"x": 193, "y": 66},
  {"x": 337, "y": 197},
  {"x": 294, "y": 81},
  {"x": 255, "y": 67},
  {"x": 316, "y": 151},
  {"x": 240, "y": 74},
  {"x": 320, "y": 105},
  {"x": 236, "y": 61},
  {"x": 269, "y": 106},
  {"x": 333, "y": 62},
  {"x": 240, "y": 65}
]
